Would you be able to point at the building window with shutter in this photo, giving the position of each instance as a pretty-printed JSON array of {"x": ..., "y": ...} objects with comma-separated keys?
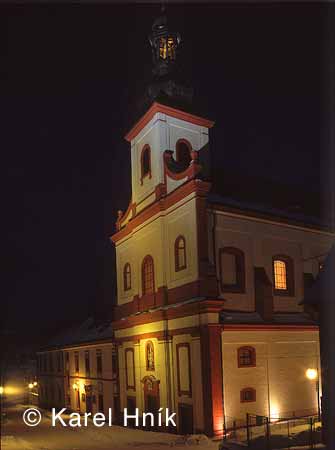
[
  {"x": 248, "y": 395},
  {"x": 148, "y": 275},
  {"x": 76, "y": 362},
  {"x": 232, "y": 269},
  {"x": 283, "y": 275},
  {"x": 180, "y": 253},
  {"x": 87, "y": 363},
  {"x": 99, "y": 363},
  {"x": 246, "y": 357},
  {"x": 126, "y": 277}
]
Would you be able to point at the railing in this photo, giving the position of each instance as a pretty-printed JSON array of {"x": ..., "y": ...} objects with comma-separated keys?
[{"x": 297, "y": 428}]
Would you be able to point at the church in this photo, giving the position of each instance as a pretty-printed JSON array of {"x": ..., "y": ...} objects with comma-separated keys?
[{"x": 209, "y": 321}]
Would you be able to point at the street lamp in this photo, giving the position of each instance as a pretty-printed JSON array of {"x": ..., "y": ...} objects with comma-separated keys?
[
  {"x": 313, "y": 375},
  {"x": 30, "y": 385}
]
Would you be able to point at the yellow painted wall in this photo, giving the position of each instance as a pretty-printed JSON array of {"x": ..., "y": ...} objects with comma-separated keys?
[
  {"x": 279, "y": 377},
  {"x": 260, "y": 241},
  {"x": 156, "y": 237}
]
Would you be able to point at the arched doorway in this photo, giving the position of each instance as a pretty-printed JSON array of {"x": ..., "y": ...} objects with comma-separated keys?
[{"x": 151, "y": 396}]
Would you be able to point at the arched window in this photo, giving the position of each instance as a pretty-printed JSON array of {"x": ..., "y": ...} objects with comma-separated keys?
[
  {"x": 283, "y": 275},
  {"x": 246, "y": 357},
  {"x": 180, "y": 253},
  {"x": 126, "y": 277},
  {"x": 232, "y": 269},
  {"x": 248, "y": 395},
  {"x": 183, "y": 152},
  {"x": 150, "y": 356},
  {"x": 145, "y": 162},
  {"x": 148, "y": 275}
]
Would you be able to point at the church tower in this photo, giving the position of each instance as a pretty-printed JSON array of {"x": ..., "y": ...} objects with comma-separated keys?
[{"x": 166, "y": 282}]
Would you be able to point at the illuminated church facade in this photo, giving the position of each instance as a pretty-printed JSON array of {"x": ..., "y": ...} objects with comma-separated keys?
[{"x": 208, "y": 321}]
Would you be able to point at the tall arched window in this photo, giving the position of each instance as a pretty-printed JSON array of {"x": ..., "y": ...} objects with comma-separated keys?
[
  {"x": 145, "y": 162},
  {"x": 148, "y": 275},
  {"x": 180, "y": 253},
  {"x": 283, "y": 275},
  {"x": 127, "y": 277},
  {"x": 246, "y": 357},
  {"x": 150, "y": 356},
  {"x": 183, "y": 152},
  {"x": 232, "y": 269}
]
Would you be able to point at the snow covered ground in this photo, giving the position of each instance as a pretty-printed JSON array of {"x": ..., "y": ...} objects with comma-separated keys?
[{"x": 15, "y": 435}]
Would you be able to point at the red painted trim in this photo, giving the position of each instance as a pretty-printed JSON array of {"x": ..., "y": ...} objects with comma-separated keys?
[
  {"x": 169, "y": 111},
  {"x": 189, "y": 173},
  {"x": 212, "y": 384},
  {"x": 123, "y": 216},
  {"x": 180, "y": 391},
  {"x": 199, "y": 187},
  {"x": 159, "y": 335}
]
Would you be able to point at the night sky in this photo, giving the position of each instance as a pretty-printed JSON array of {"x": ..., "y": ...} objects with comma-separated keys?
[{"x": 69, "y": 79}]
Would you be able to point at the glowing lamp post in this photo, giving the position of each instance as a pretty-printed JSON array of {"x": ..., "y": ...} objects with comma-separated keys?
[{"x": 313, "y": 375}]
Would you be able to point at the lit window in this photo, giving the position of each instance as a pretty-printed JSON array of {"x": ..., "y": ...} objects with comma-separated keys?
[
  {"x": 248, "y": 395},
  {"x": 280, "y": 274},
  {"x": 283, "y": 275},
  {"x": 246, "y": 357},
  {"x": 232, "y": 269},
  {"x": 148, "y": 284},
  {"x": 127, "y": 277},
  {"x": 180, "y": 253}
]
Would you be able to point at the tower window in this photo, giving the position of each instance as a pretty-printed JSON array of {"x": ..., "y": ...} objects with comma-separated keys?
[
  {"x": 145, "y": 162},
  {"x": 127, "y": 277},
  {"x": 283, "y": 276},
  {"x": 232, "y": 269},
  {"x": 183, "y": 152},
  {"x": 248, "y": 395},
  {"x": 180, "y": 253},
  {"x": 246, "y": 357},
  {"x": 148, "y": 276}
]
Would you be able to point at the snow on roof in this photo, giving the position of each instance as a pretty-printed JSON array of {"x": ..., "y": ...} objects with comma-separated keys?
[{"x": 87, "y": 331}]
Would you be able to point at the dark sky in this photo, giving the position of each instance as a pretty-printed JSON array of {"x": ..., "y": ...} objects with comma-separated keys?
[{"x": 69, "y": 77}]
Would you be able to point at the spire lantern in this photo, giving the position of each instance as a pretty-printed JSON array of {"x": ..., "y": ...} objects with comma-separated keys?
[{"x": 164, "y": 44}]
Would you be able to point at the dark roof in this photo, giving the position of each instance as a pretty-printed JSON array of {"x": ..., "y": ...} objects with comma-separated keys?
[
  {"x": 88, "y": 331},
  {"x": 268, "y": 198}
]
